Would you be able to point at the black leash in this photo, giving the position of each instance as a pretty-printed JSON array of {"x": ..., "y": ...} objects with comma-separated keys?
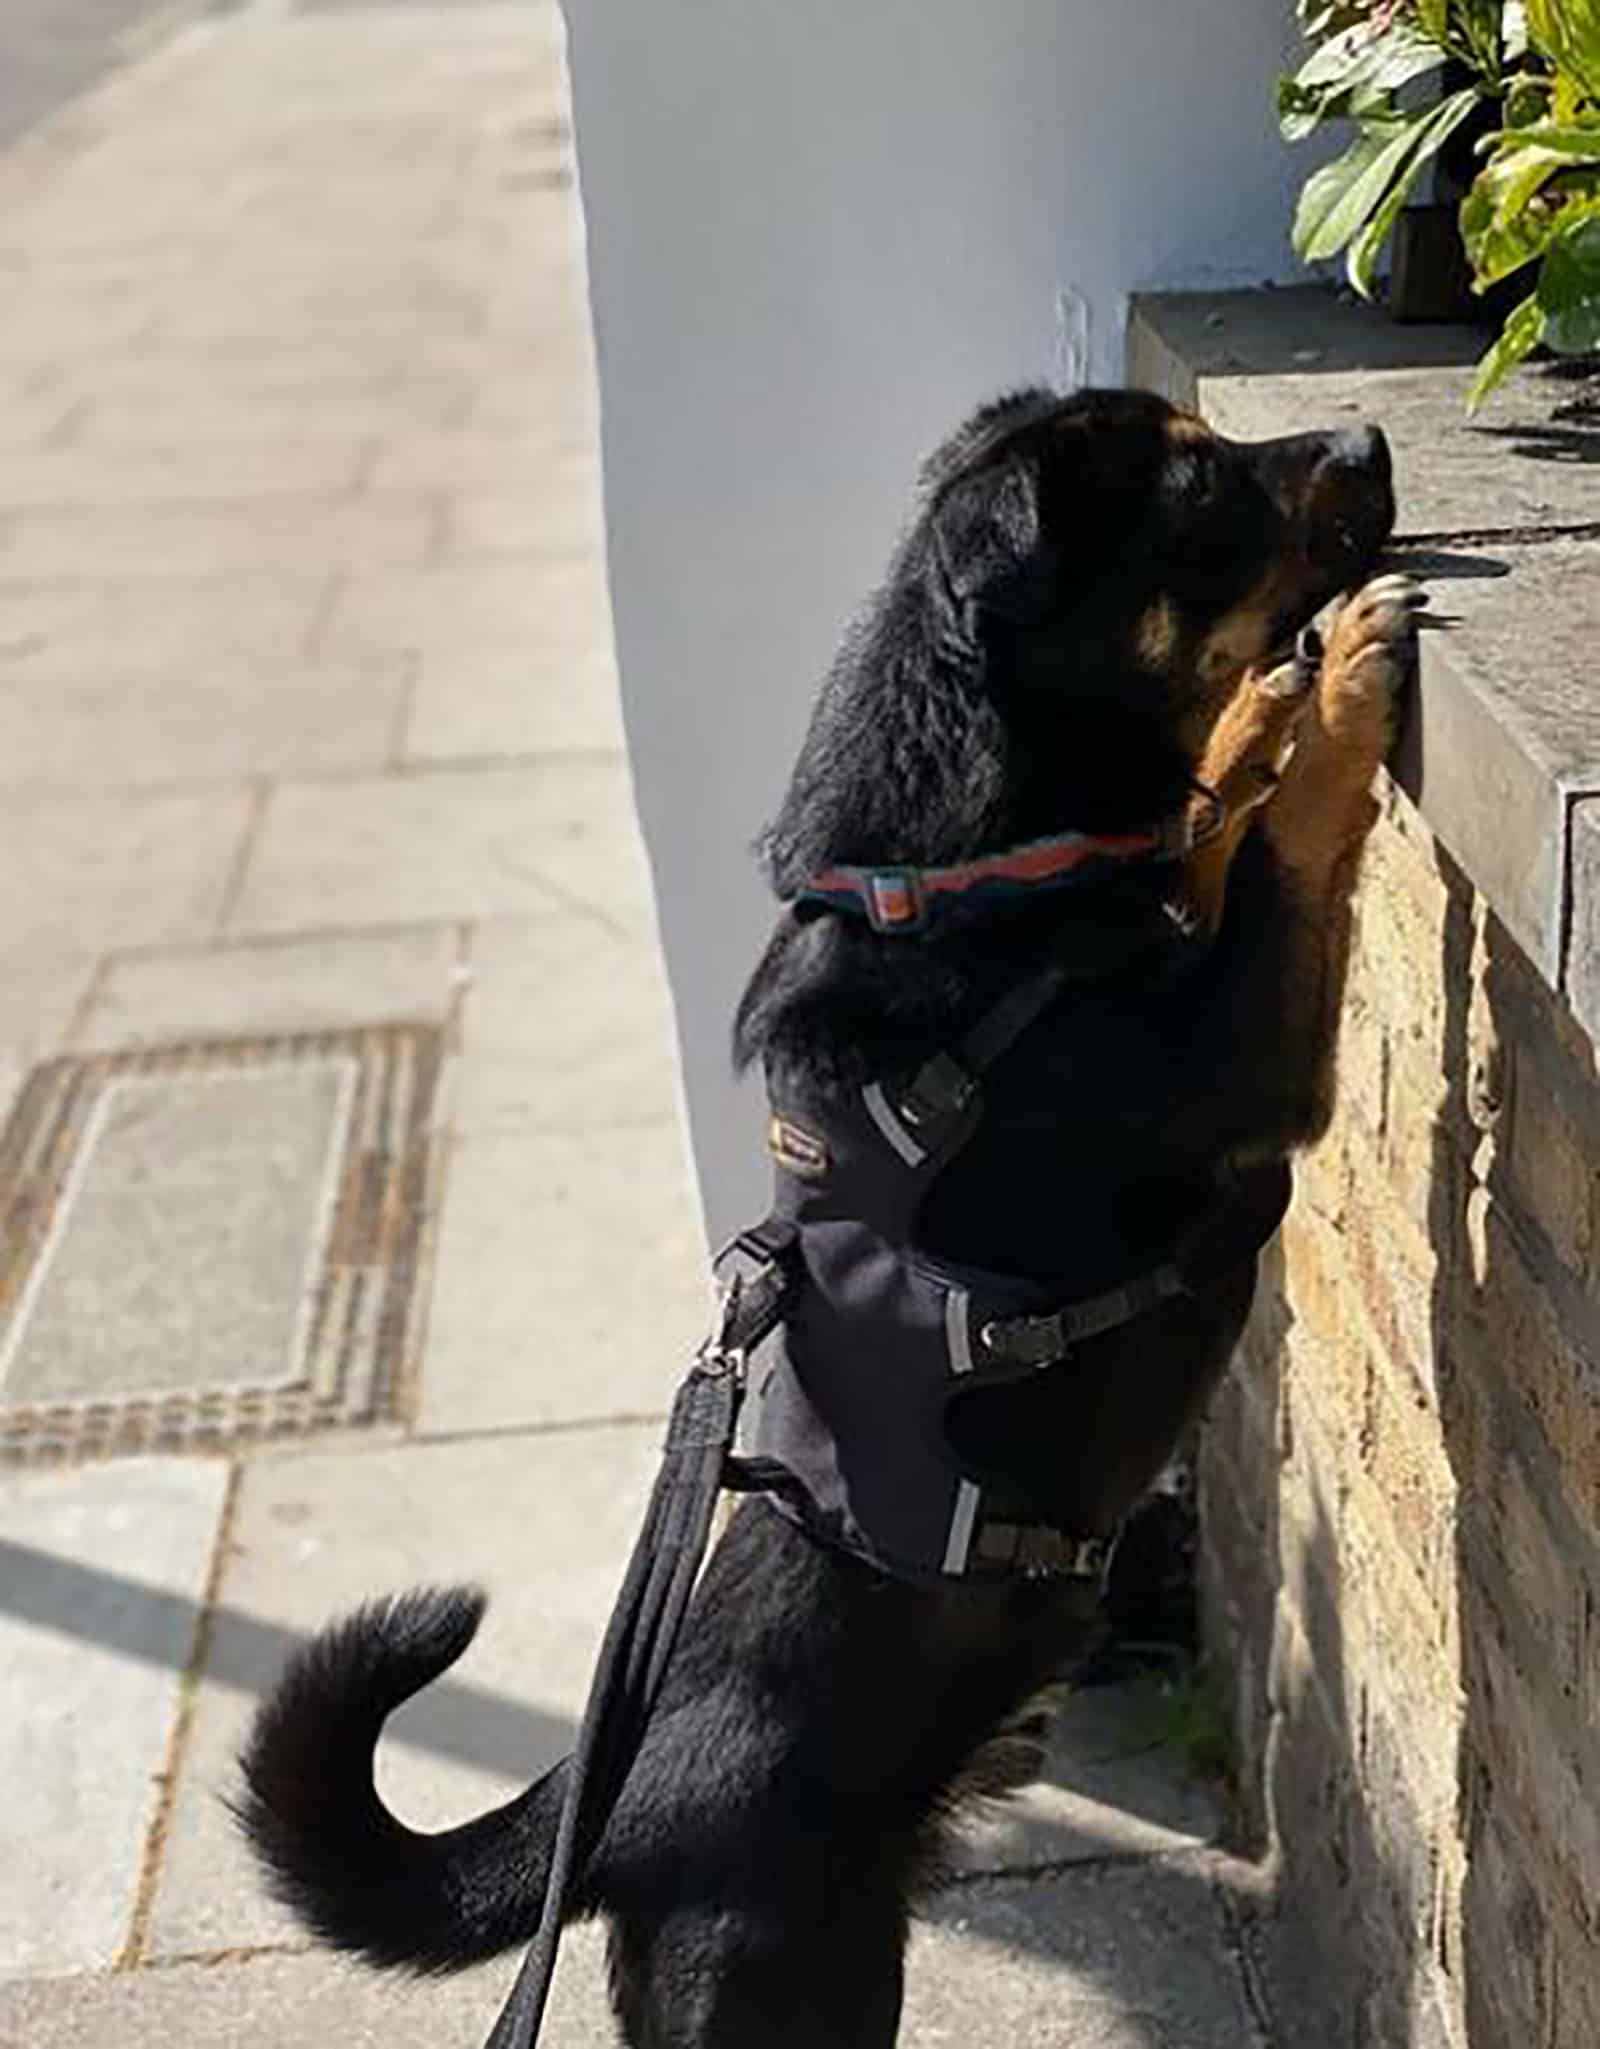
[{"x": 696, "y": 1464}]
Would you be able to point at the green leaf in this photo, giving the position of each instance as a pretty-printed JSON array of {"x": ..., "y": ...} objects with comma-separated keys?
[
  {"x": 1578, "y": 144},
  {"x": 1499, "y": 224},
  {"x": 1520, "y": 334},
  {"x": 1569, "y": 290},
  {"x": 1568, "y": 32},
  {"x": 1434, "y": 15},
  {"x": 1362, "y": 263},
  {"x": 1324, "y": 220},
  {"x": 1359, "y": 63}
]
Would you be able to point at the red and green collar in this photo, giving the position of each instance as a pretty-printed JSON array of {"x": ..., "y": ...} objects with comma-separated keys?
[{"x": 896, "y": 899}]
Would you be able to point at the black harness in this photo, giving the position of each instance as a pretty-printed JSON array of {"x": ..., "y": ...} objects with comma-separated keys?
[{"x": 854, "y": 1345}]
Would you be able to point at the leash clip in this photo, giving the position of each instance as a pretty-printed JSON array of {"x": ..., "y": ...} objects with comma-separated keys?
[{"x": 720, "y": 1355}]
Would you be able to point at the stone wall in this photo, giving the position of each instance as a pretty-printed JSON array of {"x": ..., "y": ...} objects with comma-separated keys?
[{"x": 1401, "y": 1498}]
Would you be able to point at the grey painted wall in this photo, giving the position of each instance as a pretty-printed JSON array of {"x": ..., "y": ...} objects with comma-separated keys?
[{"x": 820, "y": 231}]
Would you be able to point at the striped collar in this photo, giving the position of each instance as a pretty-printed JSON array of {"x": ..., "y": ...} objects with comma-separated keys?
[{"x": 896, "y": 899}]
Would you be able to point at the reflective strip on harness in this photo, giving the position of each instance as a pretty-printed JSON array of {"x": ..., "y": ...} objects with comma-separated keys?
[
  {"x": 964, "y": 1517},
  {"x": 879, "y": 1110},
  {"x": 961, "y": 1527}
]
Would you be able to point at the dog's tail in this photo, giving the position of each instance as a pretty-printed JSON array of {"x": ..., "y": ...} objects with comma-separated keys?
[{"x": 356, "y": 1876}]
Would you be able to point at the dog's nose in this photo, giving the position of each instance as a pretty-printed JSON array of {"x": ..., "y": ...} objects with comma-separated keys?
[
  {"x": 1349, "y": 504},
  {"x": 1365, "y": 449}
]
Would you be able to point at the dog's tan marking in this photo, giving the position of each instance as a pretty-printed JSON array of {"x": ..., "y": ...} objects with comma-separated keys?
[
  {"x": 1187, "y": 430},
  {"x": 1324, "y": 808},
  {"x": 1243, "y": 761},
  {"x": 1157, "y": 636}
]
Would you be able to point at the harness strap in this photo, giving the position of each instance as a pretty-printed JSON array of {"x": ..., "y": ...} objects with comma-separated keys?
[
  {"x": 918, "y": 1116},
  {"x": 1226, "y": 1237},
  {"x": 651, "y": 1605}
]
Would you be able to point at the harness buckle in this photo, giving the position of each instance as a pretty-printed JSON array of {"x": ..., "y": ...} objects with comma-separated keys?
[
  {"x": 939, "y": 1089},
  {"x": 1025, "y": 1340}
]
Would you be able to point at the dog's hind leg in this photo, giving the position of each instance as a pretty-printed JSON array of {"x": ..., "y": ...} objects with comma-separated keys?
[{"x": 783, "y": 1971}]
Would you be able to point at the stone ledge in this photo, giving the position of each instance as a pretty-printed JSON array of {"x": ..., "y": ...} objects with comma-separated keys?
[{"x": 1501, "y": 516}]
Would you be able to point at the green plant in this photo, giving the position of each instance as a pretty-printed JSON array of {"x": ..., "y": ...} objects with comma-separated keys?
[
  {"x": 1196, "y": 1723},
  {"x": 1530, "y": 66}
]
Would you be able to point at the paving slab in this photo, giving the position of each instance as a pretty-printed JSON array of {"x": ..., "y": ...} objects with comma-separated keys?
[
  {"x": 1105, "y": 1957},
  {"x": 561, "y": 509},
  {"x": 1112, "y": 1785},
  {"x": 299, "y": 533},
  {"x": 289, "y": 2002},
  {"x": 447, "y": 843},
  {"x": 118, "y": 869},
  {"x": 456, "y": 608},
  {"x": 220, "y": 722},
  {"x": 553, "y": 692},
  {"x": 183, "y": 470},
  {"x": 101, "y": 1576},
  {"x": 75, "y": 626},
  {"x": 544, "y": 1523},
  {"x": 274, "y": 986},
  {"x": 41, "y": 989},
  {"x": 566, "y": 1027},
  {"x": 570, "y": 1282}
]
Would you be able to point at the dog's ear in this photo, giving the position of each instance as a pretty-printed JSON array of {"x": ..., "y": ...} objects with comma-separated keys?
[{"x": 989, "y": 545}]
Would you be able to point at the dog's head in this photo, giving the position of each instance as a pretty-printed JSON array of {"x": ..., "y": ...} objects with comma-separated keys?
[
  {"x": 1083, "y": 582},
  {"x": 1110, "y": 547}
]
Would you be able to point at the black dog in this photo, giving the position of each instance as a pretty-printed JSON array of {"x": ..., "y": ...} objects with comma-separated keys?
[{"x": 1088, "y": 613}]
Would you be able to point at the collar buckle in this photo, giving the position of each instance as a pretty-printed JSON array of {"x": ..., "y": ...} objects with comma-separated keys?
[{"x": 895, "y": 899}]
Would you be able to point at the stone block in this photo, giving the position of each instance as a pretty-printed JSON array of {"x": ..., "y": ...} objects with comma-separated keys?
[
  {"x": 1576, "y": 1981},
  {"x": 274, "y": 986},
  {"x": 1520, "y": 1564},
  {"x": 299, "y": 534},
  {"x": 566, "y": 1026},
  {"x": 117, "y": 870},
  {"x": 52, "y": 630},
  {"x": 1532, "y": 1767},
  {"x": 1582, "y": 981},
  {"x": 546, "y": 1525},
  {"x": 1108, "y": 1958},
  {"x": 1112, "y": 1784},
  {"x": 1508, "y": 1328},
  {"x": 41, "y": 991},
  {"x": 1508, "y": 1966},
  {"x": 185, "y": 470},
  {"x": 216, "y": 723},
  {"x": 104, "y": 1570},
  {"x": 451, "y": 843},
  {"x": 555, "y": 602},
  {"x": 272, "y": 2002},
  {"x": 579, "y": 1257},
  {"x": 549, "y": 692}
]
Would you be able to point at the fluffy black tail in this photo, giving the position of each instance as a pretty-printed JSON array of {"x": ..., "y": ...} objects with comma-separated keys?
[{"x": 356, "y": 1876}]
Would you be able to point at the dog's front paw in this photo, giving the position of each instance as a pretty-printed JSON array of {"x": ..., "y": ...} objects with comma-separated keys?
[{"x": 1371, "y": 657}]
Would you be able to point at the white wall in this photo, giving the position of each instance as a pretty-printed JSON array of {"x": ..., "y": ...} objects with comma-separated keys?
[{"x": 820, "y": 231}]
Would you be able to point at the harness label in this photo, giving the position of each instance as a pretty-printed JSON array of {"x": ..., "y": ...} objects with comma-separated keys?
[{"x": 797, "y": 1150}]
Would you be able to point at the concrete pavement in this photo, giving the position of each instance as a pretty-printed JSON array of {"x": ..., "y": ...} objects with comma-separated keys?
[{"x": 337, "y": 1055}]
